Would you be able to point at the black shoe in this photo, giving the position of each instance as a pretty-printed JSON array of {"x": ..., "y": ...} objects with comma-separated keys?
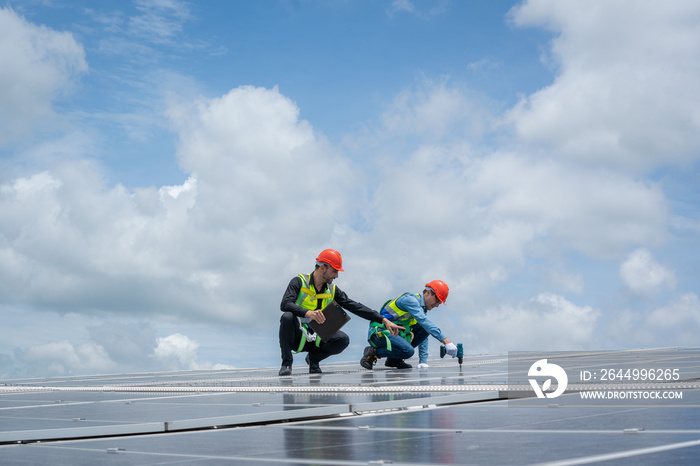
[
  {"x": 313, "y": 366},
  {"x": 286, "y": 370},
  {"x": 368, "y": 358},
  {"x": 397, "y": 363}
]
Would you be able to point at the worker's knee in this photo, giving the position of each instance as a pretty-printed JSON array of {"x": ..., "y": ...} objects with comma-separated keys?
[
  {"x": 344, "y": 339},
  {"x": 337, "y": 343},
  {"x": 287, "y": 319}
]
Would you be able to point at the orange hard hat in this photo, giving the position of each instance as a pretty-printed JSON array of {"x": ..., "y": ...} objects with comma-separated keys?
[
  {"x": 440, "y": 288},
  {"x": 332, "y": 258}
]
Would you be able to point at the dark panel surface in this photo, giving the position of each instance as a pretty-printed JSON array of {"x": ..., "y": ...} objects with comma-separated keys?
[{"x": 346, "y": 416}]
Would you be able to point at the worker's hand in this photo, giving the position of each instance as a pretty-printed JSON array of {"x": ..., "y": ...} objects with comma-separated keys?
[
  {"x": 451, "y": 349},
  {"x": 316, "y": 316},
  {"x": 392, "y": 327}
]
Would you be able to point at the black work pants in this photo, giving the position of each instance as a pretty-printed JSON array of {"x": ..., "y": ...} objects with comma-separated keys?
[{"x": 290, "y": 337}]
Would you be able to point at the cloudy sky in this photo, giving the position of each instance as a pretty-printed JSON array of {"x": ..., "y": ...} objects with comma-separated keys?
[{"x": 167, "y": 166}]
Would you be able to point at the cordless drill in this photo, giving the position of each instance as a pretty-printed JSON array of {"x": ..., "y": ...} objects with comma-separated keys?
[{"x": 460, "y": 352}]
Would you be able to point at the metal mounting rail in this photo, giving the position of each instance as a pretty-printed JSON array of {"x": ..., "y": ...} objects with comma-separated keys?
[
  {"x": 311, "y": 388},
  {"x": 241, "y": 420}
]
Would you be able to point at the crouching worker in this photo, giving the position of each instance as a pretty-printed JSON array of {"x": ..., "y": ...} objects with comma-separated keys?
[
  {"x": 302, "y": 302},
  {"x": 409, "y": 311}
]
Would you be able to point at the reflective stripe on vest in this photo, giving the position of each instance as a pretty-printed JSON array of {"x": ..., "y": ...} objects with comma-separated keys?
[
  {"x": 400, "y": 317},
  {"x": 308, "y": 297}
]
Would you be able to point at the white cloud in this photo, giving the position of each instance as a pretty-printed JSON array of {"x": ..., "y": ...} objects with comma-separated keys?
[
  {"x": 125, "y": 343},
  {"x": 424, "y": 10},
  {"x": 265, "y": 195},
  {"x": 401, "y": 5},
  {"x": 263, "y": 192},
  {"x": 628, "y": 328},
  {"x": 262, "y": 179},
  {"x": 177, "y": 352},
  {"x": 595, "y": 212},
  {"x": 625, "y": 94},
  {"x": 675, "y": 324},
  {"x": 682, "y": 316},
  {"x": 548, "y": 322},
  {"x": 480, "y": 217},
  {"x": 65, "y": 358},
  {"x": 643, "y": 275},
  {"x": 567, "y": 281},
  {"x": 160, "y": 20},
  {"x": 38, "y": 66},
  {"x": 75, "y": 343},
  {"x": 73, "y": 244},
  {"x": 435, "y": 110}
]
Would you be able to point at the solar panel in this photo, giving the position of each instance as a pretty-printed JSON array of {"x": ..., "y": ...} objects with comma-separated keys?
[{"x": 446, "y": 414}]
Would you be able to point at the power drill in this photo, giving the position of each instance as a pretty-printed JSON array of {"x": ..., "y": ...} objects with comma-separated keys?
[{"x": 460, "y": 352}]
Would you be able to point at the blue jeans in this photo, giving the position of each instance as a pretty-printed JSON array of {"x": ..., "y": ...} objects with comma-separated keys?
[{"x": 400, "y": 348}]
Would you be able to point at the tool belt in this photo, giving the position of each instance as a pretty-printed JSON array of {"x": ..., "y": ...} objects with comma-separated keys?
[
  {"x": 307, "y": 335},
  {"x": 381, "y": 331}
]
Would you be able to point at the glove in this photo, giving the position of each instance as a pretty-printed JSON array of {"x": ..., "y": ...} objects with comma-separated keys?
[
  {"x": 423, "y": 365},
  {"x": 451, "y": 349}
]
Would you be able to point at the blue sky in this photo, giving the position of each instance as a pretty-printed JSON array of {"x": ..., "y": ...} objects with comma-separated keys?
[
  {"x": 345, "y": 56},
  {"x": 167, "y": 166}
]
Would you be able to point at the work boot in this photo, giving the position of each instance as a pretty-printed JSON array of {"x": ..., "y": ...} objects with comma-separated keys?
[
  {"x": 313, "y": 366},
  {"x": 368, "y": 358},
  {"x": 397, "y": 363},
  {"x": 286, "y": 370}
]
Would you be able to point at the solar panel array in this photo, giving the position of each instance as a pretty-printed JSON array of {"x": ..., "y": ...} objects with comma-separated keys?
[{"x": 446, "y": 414}]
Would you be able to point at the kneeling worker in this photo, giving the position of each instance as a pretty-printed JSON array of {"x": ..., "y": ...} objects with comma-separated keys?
[
  {"x": 408, "y": 310},
  {"x": 303, "y": 300}
]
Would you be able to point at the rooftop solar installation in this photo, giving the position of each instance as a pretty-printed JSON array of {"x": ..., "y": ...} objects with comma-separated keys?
[{"x": 477, "y": 413}]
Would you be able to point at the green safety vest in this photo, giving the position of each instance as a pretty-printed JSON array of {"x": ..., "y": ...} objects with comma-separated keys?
[
  {"x": 308, "y": 299},
  {"x": 399, "y": 317}
]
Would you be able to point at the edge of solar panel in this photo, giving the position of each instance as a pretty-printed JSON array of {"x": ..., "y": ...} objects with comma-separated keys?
[{"x": 451, "y": 414}]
